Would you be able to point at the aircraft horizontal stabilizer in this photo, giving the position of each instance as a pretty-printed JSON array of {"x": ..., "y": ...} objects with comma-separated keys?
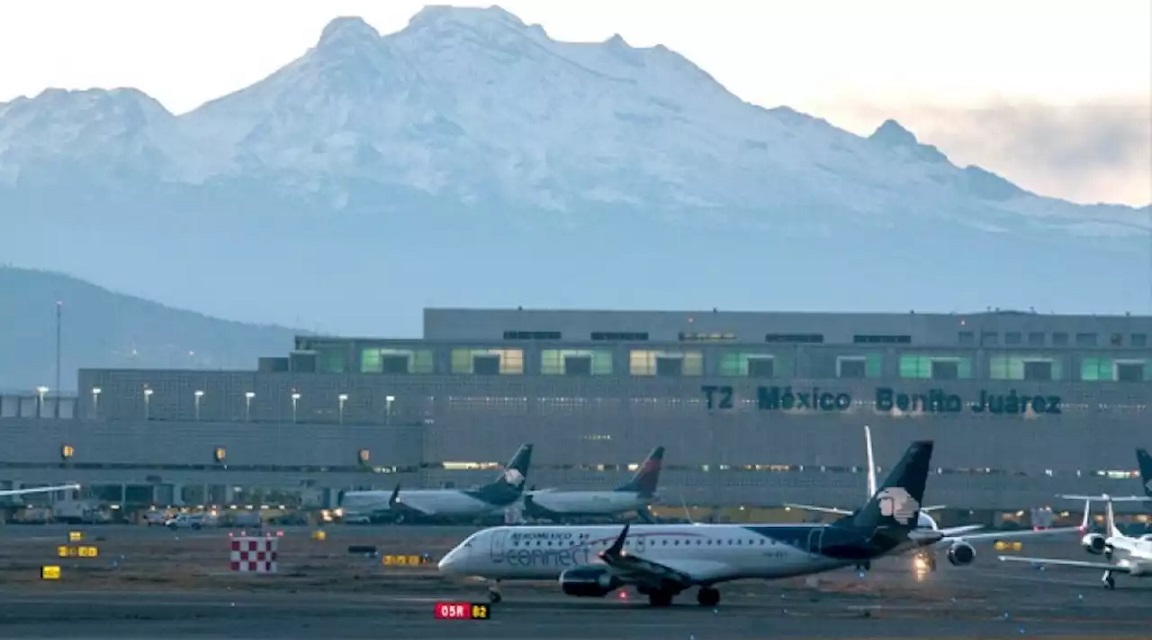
[
  {"x": 1107, "y": 498},
  {"x": 808, "y": 507},
  {"x": 937, "y": 507},
  {"x": 1076, "y": 564}
]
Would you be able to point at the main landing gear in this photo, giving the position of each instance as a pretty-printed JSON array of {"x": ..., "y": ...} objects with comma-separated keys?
[
  {"x": 863, "y": 566},
  {"x": 494, "y": 593},
  {"x": 1109, "y": 581},
  {"x": 708, "y": 597}
]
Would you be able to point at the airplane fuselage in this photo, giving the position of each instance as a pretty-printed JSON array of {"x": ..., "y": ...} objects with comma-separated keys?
[
  {"x": 717, "y": 552},
  {"x": 430, "y": 502},
  {"x": 554, "y": 504}
]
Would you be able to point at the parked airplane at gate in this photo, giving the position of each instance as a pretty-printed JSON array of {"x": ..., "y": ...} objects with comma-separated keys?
[
  {"x": 1125, "y": 554},
  {"x": 636, "y": 495},
  {"x": 956, "y": 541},
  {"x": 662, "y": 561},
  {"x": 490, "y": 499}
]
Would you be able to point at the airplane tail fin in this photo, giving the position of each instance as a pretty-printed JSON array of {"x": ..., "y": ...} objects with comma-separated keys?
[
  {"x": 896, "y": 504},
  {"x": 647, "y": 476},
  {"x": 509, "y": 485},
  {"x": 1145, "y": 462}
]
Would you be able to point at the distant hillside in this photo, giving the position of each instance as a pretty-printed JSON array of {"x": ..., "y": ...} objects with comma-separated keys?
[{"x": 101, "y": 328}]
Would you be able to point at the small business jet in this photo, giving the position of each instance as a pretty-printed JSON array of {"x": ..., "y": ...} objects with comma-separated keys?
[
  {"x": 1125, "y": 554},
  {"x": 490, "y": 499},
  {"x": 635, "y": 496},
  {"x": 956, "y": 541},
  {"x": 663, "y": 560}
]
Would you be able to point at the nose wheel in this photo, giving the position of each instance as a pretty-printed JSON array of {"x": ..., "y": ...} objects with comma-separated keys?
[
  {"x": 1109, "y": 581},
  {"x": 494, "y": 593}
]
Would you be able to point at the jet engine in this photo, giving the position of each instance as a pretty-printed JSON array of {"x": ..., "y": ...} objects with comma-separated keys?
[
  {"x": 1094, "y": 543},
  {"x": 589, "y": 582},
  {"x": 961, "y": 553}
]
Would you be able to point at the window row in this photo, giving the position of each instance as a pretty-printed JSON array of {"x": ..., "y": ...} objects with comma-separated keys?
[
  {"x": 749, "y": 364},
  {"x": 1059, "y": 339}
]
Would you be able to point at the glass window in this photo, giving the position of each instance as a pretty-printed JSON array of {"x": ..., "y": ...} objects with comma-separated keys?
[
  {"x": 966, "y": 338},
  {"x": 646, "y": 362},
  {"x": 1013, "y": 338},
  {"x": 1096, "y": 369},
  {"x": 859, "y": 367},
  {"x": 753, "y": 364},
  {"x": 1131, "y": 371},
  {"x": 988, "y": 338},
  {"x": 1139, "y": 340},
  {"x": 1019, "y": 367},
  {"x": 557, "y": 362},
  {"x": 1036, "y": 339},
  {"x": 1060, "y": 339},
  {"x": 1085, "y": 339},
  {"x": 488, "y": 361},
  {"x": 332, "y": 359},
  {"x": 1111, "y": 370},
  {"x": 396, "y": 361},
  {"x": 931, "y": 367}
]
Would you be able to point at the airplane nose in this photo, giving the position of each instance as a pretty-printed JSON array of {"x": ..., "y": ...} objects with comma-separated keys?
[{"x": 449, "y": 563}]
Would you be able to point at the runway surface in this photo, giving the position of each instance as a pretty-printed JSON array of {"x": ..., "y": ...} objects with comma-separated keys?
[{"x": 985, "y": 600}]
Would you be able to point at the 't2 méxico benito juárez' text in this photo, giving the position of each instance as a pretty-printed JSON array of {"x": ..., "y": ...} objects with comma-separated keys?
[{"x": 886, "y": 399}]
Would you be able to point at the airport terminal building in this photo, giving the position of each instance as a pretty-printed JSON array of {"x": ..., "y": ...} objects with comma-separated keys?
[{"x": 755, "y": 409}]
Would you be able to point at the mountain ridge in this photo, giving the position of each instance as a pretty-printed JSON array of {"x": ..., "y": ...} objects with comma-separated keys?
[{"x": 474, "y": 148}]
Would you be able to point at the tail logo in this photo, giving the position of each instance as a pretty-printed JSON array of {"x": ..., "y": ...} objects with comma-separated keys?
[
  {"x": 513, "y": 477},
  {"x": 1148, "y": 485},
  {"x": 898, "y": 504}
]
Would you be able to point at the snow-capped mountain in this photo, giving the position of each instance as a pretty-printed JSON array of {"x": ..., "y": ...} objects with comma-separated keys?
[{"x": 471, "y": 115}]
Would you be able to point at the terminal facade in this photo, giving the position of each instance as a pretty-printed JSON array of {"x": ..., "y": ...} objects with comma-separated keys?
[{"x": 755, "y": 409}]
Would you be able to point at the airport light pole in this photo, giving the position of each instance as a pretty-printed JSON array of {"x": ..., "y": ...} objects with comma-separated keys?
[
  {"x": 96, "y": 391},
  {"x": 388, "y": 400},
  {"x": 147, "y": 403},
  {"x": 343, "y": 397},
  {"x": 197, "y": 395},
  {"x": 295, "y": 400},
  {"x": 59, "y": 310},
  {"x": 41, "y": 391},
  {"x": 248, "y": 395}
]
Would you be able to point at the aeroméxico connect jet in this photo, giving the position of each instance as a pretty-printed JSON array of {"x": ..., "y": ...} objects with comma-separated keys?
[
  {"x": 663, "y": 560},
  {"x": 636, "y": 495},
  {"x": 954, "y": 542},
  {"x": 1125, "y": 554},
  {"x": 490, "y": 499}
]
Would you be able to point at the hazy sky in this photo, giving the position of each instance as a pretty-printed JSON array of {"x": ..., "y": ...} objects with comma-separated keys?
[{"x": 1055, "y": 94}]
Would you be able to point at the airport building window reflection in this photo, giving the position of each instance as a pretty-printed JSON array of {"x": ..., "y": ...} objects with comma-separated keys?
[
  {"x": 925, "y": 367},
  {"x": 1017, "y": 367},
  {"x": 745, "y": 364},
  {"x": 644, "y": 362},
  {"x": 1113, "y": 370},
  {"x": 488, "y": 361},
  {"x": 396, "y": 361},
  {"x": 332, "y": 359},
  {"x": 576, "y": 362},
  {"x": 859, "y": 367}
]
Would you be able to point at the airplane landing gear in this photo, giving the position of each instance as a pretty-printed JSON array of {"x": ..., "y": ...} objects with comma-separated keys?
[
  {"x": 660, "y": 598},
  {"x": 494, "y": 593},
  {"x": 1109, "y": 581},
  {"x": 864, "y": 566},
  {"x": 708, "y": 597}
]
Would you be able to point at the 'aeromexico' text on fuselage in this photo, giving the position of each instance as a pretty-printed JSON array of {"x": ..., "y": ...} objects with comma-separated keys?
[{"x": 788, "y": 398}]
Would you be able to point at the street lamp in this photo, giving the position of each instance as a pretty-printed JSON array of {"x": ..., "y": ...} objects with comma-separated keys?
[
  {"x": 96, "y": 391},
  {"x": 197, "y": 394},
  {"x": 147, "y": 403},
  {"x": 295, "y": 400},
  {"x": 388, "y": 400},
  {"x": 248, "y": 395},
  {"x": 41, "y": 391},
  {"x": 343, "y": 397}
]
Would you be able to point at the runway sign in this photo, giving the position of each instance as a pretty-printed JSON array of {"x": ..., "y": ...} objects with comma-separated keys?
[
  {"x": 254, "y": 555},
  {"x": 66, "y": 551},
  {"x": 462, "y": 611},
  {"x": 401, "y": 561},
  {"x": 75, "y": 536},
  {"x": 50, "y": 572}
]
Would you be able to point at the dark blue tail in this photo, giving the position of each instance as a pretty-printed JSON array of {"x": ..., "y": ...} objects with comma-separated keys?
[
  {"x": 896, "y": 505},
  {"x": 647, "y": 476},
  {"x": 509, "y": 485},
  {"x": 1145, "y": 462}
]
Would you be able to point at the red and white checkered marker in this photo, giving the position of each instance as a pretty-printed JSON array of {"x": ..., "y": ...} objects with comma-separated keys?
[{"x": 254, "y": 555}]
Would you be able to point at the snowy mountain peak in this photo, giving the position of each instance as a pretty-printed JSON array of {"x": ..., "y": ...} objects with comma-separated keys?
[
  {"x": 477, "y": 18},
  {"x": 347, "y": 29},
  {"x": 893, "y": 134}
]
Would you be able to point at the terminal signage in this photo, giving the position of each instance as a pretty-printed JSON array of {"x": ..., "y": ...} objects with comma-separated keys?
[{"x": 786, "y": 398}]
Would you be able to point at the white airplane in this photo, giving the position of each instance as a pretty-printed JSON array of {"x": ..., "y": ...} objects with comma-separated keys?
[
  {"x": 1125, "y": 554},
  {"x": 636, "y": 495},
  {"x": 24, "y": 492},
  {"x": 955, "y": 543},
  {"x": 663, "y": 560},
  {"x": 490, "y": 499}
]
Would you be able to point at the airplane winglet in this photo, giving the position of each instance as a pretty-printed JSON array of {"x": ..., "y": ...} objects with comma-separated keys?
[
  {"x": 617, "y": 548},
  {"x": 395, "y": 497}
]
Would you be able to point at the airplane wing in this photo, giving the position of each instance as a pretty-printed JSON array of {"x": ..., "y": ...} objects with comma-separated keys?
[
  {"x": 953, "y": 532},
  {"x": 1077, "y": 564},
  {"x": 633, "y": 569},
  {"x": 22, "y": 492},
  {"x": 1009, "y": 535},
  {"x": 808, "y": 507},
  {"x": 936, "y": 507},
  {"x": 1107, "y": 498}
]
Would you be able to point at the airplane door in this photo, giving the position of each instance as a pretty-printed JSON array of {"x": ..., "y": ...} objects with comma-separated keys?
[
  {"x": 641, "y": 544},
  {"x": 815, "y": 540},
  {"x": 498, "y": 539}
]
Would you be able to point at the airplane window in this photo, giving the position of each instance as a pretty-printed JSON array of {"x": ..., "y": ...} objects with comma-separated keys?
[
  {"x": 677, "y": 543},
  {"x": 698, "y": 543},
  {"x": 664, "y": 542},
  {"x": 739, "y": 542},
  {"x": 761, "y": 541}
]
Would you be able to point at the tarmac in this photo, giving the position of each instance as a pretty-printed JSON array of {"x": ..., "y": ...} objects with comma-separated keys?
[{"x": 328, "y": 593}]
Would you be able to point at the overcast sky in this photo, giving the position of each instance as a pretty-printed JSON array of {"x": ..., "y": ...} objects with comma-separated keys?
[{"x": 1054, "y": 94}]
